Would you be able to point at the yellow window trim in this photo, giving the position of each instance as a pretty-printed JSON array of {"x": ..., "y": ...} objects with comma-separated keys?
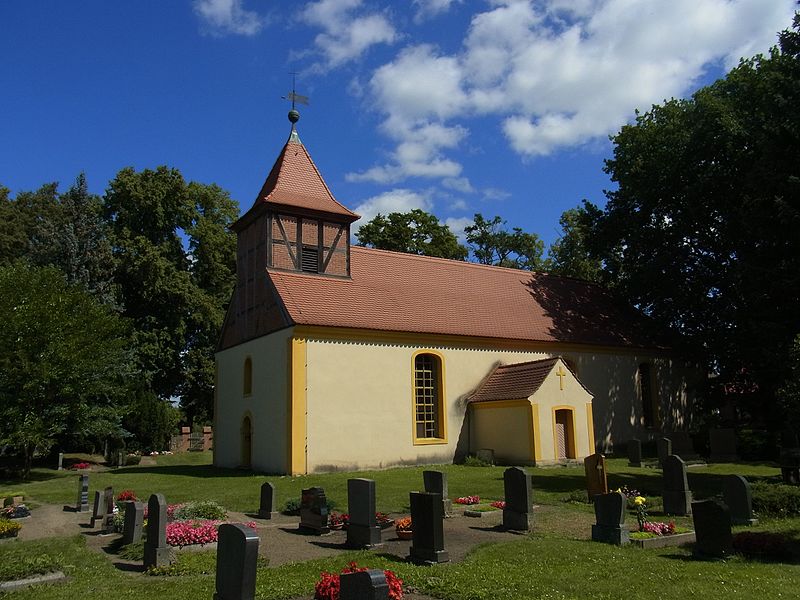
[
  {"x": 590, "y": 426},
  {"x": 442, "y": 409},
  {"x": 296, "y": 409},
  {"x": 537, "y": 432},
  {"x": 572, "y": 442}
]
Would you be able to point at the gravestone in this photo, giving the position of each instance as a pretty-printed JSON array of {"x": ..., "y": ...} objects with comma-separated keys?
[
  {"x": 121, "y": 458},
  {"x": 435, "y": 482},
  {"x": 98, "y": 508},
  {"x": 132, "y": 526},
  {"x": 314, "y": 511},
  {"x": 519, "y": 499},
  {"x": 363, "y": 585},
  {"x": 427, "y": 544},
  {"x": 362, "y": 529},
  {"x": 237, "y": 558},
  {"x": 156, "y": 551},
  {"x": 790, "y": 465},
  {"x": 609, "y": 512},
  {"x": 664, "y": 446},
  {"x": 723, "y": 445},
  {"x": 108, "y": 519},
  {"x": 739, "y": 498},
  {"x": 596, "y": 482},
  {"x": 712, "y": 528},
  {"x": 82, "y": 504},
  {"x": 486, "y": 455},
  {"x": 60, "y": 461},
  {"x": 635, "y": 453},
  {"x": 683, "y": 446},
  {"x": 266, "y": 509},
  {"x": 677, "y": 497}
]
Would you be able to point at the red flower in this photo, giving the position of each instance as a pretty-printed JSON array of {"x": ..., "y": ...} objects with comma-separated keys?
[{"x": 327, "y": 588}]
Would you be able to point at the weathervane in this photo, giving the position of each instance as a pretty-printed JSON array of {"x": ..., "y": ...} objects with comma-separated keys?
[{"x": 296, "y": 98}]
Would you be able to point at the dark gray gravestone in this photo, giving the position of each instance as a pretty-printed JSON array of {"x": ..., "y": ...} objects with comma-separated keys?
[
  {"x": 435, "y": 482},
  {"x": 314, "y": 511},
  {"x": 82, "y": 504},
  {"x": 98, "y": 508},
  {"x": 596, "y": 482},
  {"x": 609, "y": 512},
  {"x": 677, "y": 497},
  {"x": 132, "y": 527},
  {"x": 108, "y": 519},
  {"x": 739, "y": 498},
  {"x": 723, "y": 445},
  {"x": 362, "y": 530},
  {"x": 156, "y": 552},
  {"x": 427, "y": 529},
  {"x": 664, "y": 447},
  {"x": 712, "y": 528},
  {"x": 635, "y": 453},
  {"x": 266, "y": 508},
  {"x": 363, "y": 585},
  {"x": 237, "y": 558},
  {"x": 519, "y": 499}
]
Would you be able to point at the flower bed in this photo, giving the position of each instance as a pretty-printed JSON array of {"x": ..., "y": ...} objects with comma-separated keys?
[
  {"x": 17, "y": 511},
  {"x": 327, "y": 588},
  {"x": 81, "y": 466},
  {"x": 9, "y": 529},
  {"x": 468, "y": 500},
  {"x": 189, "y": 533}
]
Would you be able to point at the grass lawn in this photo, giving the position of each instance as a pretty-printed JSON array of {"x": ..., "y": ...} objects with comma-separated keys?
[{"x": 550, "y": 563}]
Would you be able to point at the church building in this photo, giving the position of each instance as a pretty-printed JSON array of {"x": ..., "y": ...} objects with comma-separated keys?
[{"x": 339, "y": 357}]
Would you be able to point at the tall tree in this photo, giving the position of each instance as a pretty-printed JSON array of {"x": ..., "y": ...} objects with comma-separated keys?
[
  {"x": 702, "y": 232},
  {"x": 64, "y": 360},
  {"x": 413, "y": 232},
  {"x": 569, "y": 255},
  {"x": 493, "y": 244}
]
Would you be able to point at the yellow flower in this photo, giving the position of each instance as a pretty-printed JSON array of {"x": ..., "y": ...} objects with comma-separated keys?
[
  {"x": 639, "y": 500},
  {"x": 618, "y": 490}
]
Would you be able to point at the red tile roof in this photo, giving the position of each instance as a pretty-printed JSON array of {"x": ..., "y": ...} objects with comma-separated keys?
[
  {"x": 295, "y": 182},
  {"x": 391, "y": 291},
  {"x": 513, "y": 382}
]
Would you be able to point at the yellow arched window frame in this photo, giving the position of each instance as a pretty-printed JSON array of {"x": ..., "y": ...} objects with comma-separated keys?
[
  {"x": 247, "y": 377},
  {"x": 429, "y": 417}
]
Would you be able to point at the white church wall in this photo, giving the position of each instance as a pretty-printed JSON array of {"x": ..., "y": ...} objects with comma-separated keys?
[
  {"x": 504, "y": 429},
  {"x": 266, "y": 405}
]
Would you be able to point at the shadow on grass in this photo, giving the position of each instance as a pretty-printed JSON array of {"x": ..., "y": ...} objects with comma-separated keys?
[{"x": 201, "y": 471}]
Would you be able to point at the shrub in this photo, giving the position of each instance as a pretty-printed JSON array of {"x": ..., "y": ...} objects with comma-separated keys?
[
  {"x": 776, "y": 500},
  {"x": 9, "y": 528},
  {"x": 133, "y": 551},
  {"x": 202, "y": 509},
  {"x": 291, "y": 507},
  {"x": 131, "y": 460},
  {"x": 762, "y": 545},
  {"x": 474, "y": 461}
]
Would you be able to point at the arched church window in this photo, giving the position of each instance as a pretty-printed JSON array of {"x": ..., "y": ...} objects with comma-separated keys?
[
  {"x": 247, "y": 377},
  {"x": 648, "y": 398},
  {"x": 429, "y": 423}
]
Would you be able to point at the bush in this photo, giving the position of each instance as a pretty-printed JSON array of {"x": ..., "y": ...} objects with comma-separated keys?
[
  {"x": 776, "y": 500},
  {"x": 202, "y": 509},
  {"x": 763, "y": 545},
  {"x": 291, "y": 507},
  {"x": 9, "y": 528},
  {"x": 474, "y": 461},
  {"x": 132, "y": 460}
]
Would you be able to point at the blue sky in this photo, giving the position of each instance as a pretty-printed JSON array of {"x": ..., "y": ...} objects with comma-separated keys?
[{"x": 498, "y": 107}]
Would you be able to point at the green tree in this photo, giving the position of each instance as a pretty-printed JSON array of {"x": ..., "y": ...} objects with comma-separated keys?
[
  {"x": 569, "y": 255},
  {"x": 13, "y": 232},
  {"x": 413, "y": 232},
  {"x": 64, "y": 360},
  {"x": 702, "y": 231},
  {"x": 150, "y": 420},
  {"x": 493, "y": 244}
]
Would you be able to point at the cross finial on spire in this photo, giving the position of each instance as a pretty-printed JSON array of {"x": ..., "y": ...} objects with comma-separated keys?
[{"x": 294, "y": 115}]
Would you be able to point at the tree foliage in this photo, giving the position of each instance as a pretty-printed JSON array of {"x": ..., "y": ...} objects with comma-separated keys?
[
  {"x": 413, "y": 232},
  {"x": 492, "y": 244},
  {"x": 64, "y": 359},
  {"x": 702, "y": 232},
  {"x": 569, "y": 255}
]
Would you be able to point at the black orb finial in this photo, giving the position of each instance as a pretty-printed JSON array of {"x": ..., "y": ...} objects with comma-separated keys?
[{"x": 294, "y": 116}]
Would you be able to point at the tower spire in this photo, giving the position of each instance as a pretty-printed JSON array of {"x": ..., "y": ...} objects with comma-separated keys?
[{"x": 294, "y": 115}]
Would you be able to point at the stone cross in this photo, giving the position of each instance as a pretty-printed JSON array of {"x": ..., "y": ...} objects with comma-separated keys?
[
  {"x": 427, "y": 529},
  {"x": 712, "y": 528},
  {"x": 739, "y": 498},
  {"x": 363, "y": 585},
  {"x": 677, "y": 497},
  {"x": 634, "y": 453},
  {"x": 156, "y": 551},
  {"x": 435, "y": 482},
  {"x": 596, "y": 482},
  {"x": 267, "y": 505},
  {"x": 519, "y": 499},
  {"x": 609, "y": 511},
  {"x": 237, "y": 560},
  {"x": 664, "y": 450},
  {"x": 314, "y": 511},
  {"x": 82, "y": 504},
  {"x": 132, "y": 527},
  {"x": 561, "y": 373},
  {"x": 362, "y": 530}
]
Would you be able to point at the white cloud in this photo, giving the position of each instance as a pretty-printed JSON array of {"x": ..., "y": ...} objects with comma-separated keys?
[
  {"x": 459, "y": 184},
  {"x": 397, "y": 200},
  {"x": 346, "y": 35},
  {"x": 457, "y": 224},
  {"x": 427, "y": 9},
  {"x": 221, "y": 17},
  {"x": 557, "y": 73}
]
